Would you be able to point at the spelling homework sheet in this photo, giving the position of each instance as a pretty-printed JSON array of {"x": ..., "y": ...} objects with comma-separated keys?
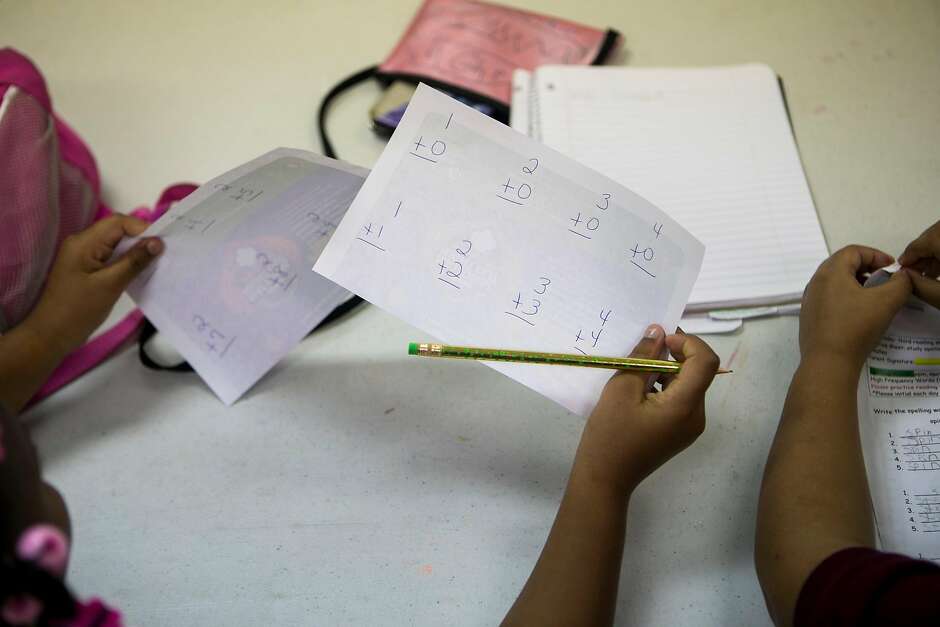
[
  {"x": 899, "y": 406},
  {"x": 233, "y": 291},
  {"x": 481, "y": 236}
]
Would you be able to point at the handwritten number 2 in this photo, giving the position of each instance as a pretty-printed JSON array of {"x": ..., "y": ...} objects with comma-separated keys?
[
  {"x": 532, "y": 167},
  {"x": 465, "y": 252}
]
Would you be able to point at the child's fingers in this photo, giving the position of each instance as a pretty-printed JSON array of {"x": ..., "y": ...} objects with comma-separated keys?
[
  {"x": 699, "y": 366},
  {"x": 894, "y": 292},
  {"x": 927, "y": 246},
  {"x": 111, "y": 230},
  {"x": 119, "y": 274},
  {"x": 856, "y": 259},
  {"x": 650, "y": 346},
  {"x": 925, "y": 288}
]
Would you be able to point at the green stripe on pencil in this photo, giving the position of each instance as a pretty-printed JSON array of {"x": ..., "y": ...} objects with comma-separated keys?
[{"x": 633, "y": 364}]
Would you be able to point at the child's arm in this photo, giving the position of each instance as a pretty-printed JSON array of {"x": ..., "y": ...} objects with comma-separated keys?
[
  {"x": 78, "y": 295},
  {"x": 629, "y": 434},
  {"x": 814, "y": 498},
  {"x": 921, "y": 260}
]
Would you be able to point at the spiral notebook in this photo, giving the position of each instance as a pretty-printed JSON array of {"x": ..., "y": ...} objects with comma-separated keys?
[{"x": 712, "y": 147}]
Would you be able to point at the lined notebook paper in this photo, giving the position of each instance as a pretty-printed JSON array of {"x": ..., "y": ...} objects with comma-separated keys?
[{"x": 712, "y": 147}]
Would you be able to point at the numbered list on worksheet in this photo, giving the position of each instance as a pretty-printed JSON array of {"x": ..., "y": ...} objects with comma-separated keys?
[{"x": 899, "y": 406}]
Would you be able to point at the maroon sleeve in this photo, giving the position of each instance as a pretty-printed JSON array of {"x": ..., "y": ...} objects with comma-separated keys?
[{"x": 860, "y": 586}]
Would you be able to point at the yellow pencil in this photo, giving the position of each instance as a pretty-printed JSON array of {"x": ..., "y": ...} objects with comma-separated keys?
[{"x": 632, "y": 364}]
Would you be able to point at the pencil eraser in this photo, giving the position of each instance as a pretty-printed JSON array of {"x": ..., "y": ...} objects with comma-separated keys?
[{"x": 413, "y": 348}]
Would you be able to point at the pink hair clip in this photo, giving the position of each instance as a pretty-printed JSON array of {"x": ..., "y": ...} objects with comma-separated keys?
[{"x": 46, "y": 546}]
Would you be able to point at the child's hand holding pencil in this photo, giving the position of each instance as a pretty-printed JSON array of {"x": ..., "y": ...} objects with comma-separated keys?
[{"x": 633, "y": 431}]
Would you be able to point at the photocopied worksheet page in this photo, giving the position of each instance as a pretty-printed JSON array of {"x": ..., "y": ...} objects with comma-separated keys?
[
  {"x": 481, "y": 236},
  {"x": 233, "y": 291},
  {"x": 899, "y": 409}
]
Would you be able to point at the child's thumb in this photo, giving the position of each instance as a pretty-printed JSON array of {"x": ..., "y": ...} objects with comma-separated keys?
[
  {"x": 895, "y": 291},
  {"x": 926, "y": 288},
  {"x": 650, "y": 346},
  {"x": 134, "y": 261}
]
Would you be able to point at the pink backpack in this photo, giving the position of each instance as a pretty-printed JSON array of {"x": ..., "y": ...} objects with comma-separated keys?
[{"x": 49, "y": 189}]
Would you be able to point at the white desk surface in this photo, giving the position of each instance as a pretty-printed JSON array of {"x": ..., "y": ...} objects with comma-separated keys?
[{"x": 354, "y": 485}]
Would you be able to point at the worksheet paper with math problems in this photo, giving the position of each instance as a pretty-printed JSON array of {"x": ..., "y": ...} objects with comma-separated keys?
[
  {"x": 899, "y": 411},
  {"x": 481, "y": 236},
  {"x": 233, "y": 291}
]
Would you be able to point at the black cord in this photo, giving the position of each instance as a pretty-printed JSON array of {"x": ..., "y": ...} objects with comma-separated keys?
[{"x": 339, "y": 88}]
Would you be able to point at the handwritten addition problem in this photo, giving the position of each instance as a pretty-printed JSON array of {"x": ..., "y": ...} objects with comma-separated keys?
[
  {"x": 642, "y": 258},
  {"x": 451, "y": 270},
  {"x": 604, "y": 316},
  {"x": 269, "y": 273},
  {"x": 324, "y": 227},
  {"x": 371, "y": 233},
  {"x": 526, "y": 309},
  {"x": 518, "y": 192},
  {"x": 586, "y": 225},
  {"x": 244, "y": 193},
  {"x": 212, "y": 340},
  {"x": 527, "y": 246},
  {"x": 193, "y": 223}
]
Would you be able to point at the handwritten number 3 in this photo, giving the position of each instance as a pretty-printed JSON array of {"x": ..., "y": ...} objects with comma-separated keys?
[
  {"x": 606, "y": 201},
  {"x": 536, "y": 303},
  {"x": 544, "y": 285}
]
